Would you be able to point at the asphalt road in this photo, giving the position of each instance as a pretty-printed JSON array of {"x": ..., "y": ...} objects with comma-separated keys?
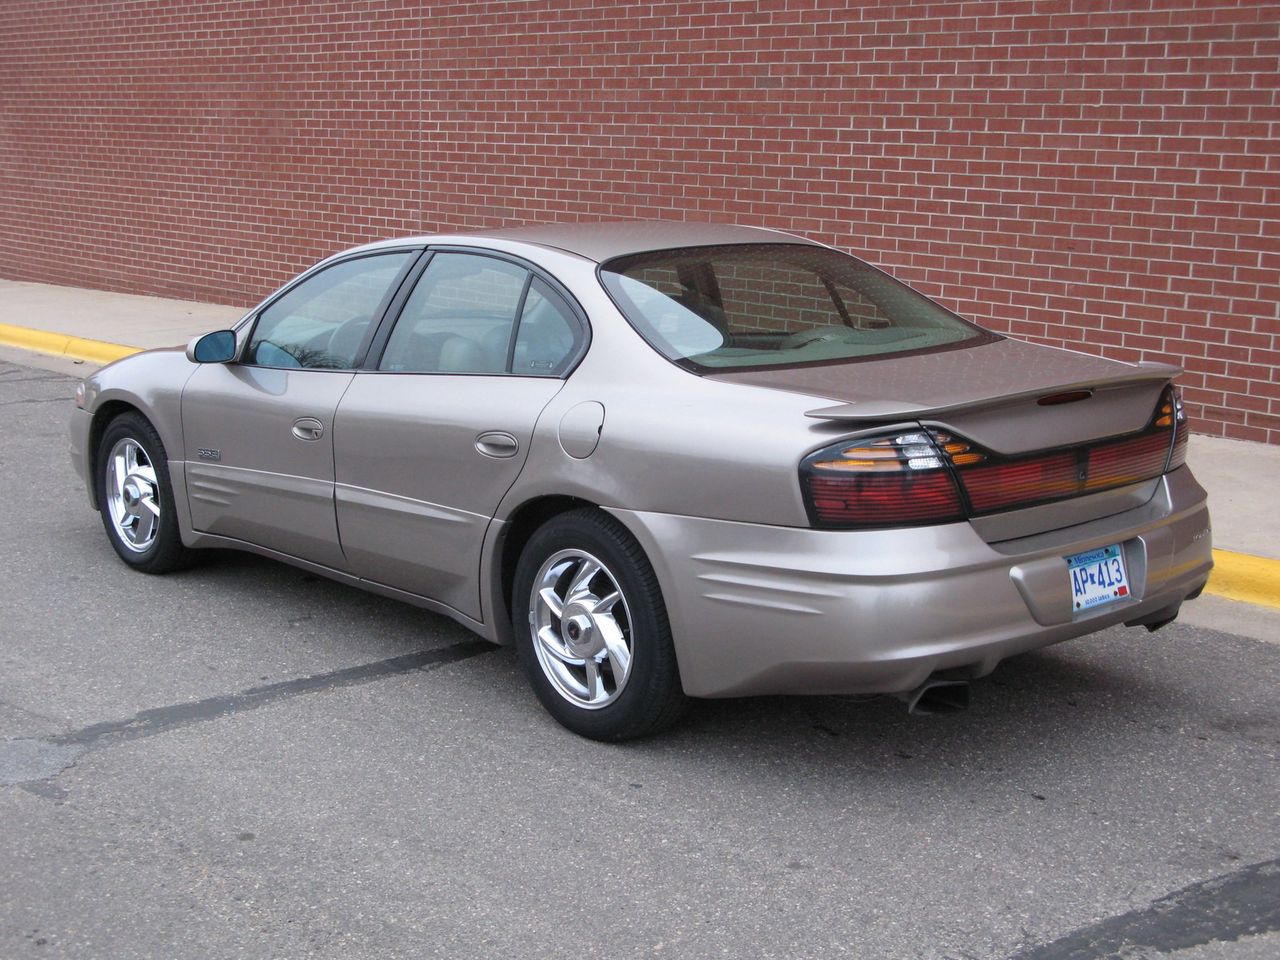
[{"x": 245, "y": 760}]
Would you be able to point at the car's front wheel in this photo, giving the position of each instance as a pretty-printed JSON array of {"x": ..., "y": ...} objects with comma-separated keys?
[
  {"x": 591, "y": 629},
  {"x": 136, "y": 498}
]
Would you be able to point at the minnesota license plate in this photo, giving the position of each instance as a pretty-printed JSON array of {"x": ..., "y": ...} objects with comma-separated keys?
[{"x": 1097, "y": 577}]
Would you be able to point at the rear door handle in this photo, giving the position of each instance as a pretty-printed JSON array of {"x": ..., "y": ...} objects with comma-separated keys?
[
  {"x": 498, "y": 444},
  {"x": 308, "y": 428}
]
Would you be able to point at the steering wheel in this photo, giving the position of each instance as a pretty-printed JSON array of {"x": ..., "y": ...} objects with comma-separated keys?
[{"x": 829, "y": 334}]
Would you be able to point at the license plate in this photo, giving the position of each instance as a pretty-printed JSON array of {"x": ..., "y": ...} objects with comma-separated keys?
[{"x": 1097, "y": 577}]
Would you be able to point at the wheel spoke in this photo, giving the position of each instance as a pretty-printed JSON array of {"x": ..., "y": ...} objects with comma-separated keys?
[
  {"x": 595, "y": 685},
  {"x": 616, "y": 644},
  {"x": 145, "y": 527},
  {"x": 145, "y": 471},
  {"x": 119, "y": 472},
  {"x": 551, "y": 643},
  {"x": 582, "y": 579},
  {"x": 552, "y": 600},
  {"x": 605, "y": 603}
]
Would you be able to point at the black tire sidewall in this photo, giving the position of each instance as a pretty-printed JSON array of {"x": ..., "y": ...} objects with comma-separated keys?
[{"x": 653, "y": 687}]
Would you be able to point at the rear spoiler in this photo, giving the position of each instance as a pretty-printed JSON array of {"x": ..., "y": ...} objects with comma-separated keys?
[{"x": 888, "y": 410}]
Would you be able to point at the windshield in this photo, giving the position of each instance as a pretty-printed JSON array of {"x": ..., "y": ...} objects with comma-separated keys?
[{"x": 755, "y": 305}]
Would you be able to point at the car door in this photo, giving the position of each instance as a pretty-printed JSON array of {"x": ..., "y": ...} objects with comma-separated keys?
[
  {"x": 430, "y": 438},
  {"x": 258, "y": 431}
]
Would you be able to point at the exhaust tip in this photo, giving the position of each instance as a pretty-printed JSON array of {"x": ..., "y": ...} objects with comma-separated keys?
[
  {"x": 1154, "y": 621},
  {"x": 937, "y": 697}
]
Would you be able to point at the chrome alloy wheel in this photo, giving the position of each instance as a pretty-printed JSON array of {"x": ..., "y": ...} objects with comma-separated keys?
[
  {"x": 133, "y": 495},
  {"x": 581, "y": 629}
]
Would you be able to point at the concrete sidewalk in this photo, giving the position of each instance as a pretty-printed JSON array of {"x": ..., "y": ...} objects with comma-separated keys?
[
  {"x": 74, "y": 330},
  {"x": 98, "y": 319}
]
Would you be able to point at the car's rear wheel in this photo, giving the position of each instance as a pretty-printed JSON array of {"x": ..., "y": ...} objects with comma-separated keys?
[
  {"x": 592, "y": 630},
  {"x": 136, "y": 498}
]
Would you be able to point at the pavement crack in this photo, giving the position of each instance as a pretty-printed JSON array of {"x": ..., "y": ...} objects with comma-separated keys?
[
  {"x": 15, "y": 375},
  {"x": 1240, "y": 904},
  {"x": 27, "y": 760},
  {"x": 13, "y": 403},
  {"x": 157, "y": 720}
]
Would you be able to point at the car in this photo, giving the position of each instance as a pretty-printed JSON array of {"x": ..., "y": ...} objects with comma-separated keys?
[{"x": 665, "y": 461}]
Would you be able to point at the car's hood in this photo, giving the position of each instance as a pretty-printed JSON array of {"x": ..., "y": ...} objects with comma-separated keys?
[{"x": 987, "y": 392}]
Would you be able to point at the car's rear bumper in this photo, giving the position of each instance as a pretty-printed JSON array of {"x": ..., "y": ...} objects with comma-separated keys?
[{"x": 763, "y": 609}]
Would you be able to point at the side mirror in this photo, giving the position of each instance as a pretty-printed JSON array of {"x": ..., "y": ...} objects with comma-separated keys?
[{"x": 218, "y": 347}]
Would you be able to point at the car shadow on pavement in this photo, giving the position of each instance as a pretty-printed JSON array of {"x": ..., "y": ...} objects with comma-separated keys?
[
  {"x": 1070, "y": 714},
  {"x": 302, "y": 594},
  {"x": 1088, "y": 699}
]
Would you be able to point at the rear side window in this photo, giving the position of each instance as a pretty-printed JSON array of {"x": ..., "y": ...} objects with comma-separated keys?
[
  {"x": 475, "y": 314},
  {"x": 754, "y": 305},
  {"x": 321, "y": 322},
  {"x": 547, "y": 334}
]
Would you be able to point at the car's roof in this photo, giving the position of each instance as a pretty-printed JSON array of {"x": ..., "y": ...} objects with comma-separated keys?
[
  {"x": 603, "y": 241},
  {"x": 600, "y": 241}
]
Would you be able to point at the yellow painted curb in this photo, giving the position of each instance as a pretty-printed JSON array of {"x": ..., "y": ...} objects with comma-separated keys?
[
  {"x": 63, "y": 345},
  {"x": 1241, "y": 576}
]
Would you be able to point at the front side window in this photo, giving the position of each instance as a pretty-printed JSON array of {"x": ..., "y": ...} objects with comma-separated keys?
[
  {"x": 754, "y": 305},
  {"x": 477, "y": 314},
  {"x": 321, "y": 322}
]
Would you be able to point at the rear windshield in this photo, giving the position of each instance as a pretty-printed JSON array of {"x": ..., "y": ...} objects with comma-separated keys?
[{"x": 769, "y": 305}]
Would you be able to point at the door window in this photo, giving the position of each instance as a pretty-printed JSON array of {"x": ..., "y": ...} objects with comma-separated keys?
[
  {"x": 458, "y": 318},
  {"x": 462, "y": 315},
  {"x": 321, "y": 322}
]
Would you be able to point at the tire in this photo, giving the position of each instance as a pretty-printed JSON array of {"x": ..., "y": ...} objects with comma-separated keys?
[
  {"x": 135, "y": 497},
  {"x": 591, "y": 629}
]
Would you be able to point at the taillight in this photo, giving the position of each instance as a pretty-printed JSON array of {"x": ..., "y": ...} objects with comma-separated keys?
[
  {"x": 1181, "y": 432},
  {"x": 890, "y": 480},
  {"x": 931, "y": 476},
  {"x": 993, "y": 482}
]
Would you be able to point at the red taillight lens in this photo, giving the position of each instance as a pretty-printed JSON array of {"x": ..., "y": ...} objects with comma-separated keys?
[
  {"x": 892, "y": 480},
  {"x": 1004, "y": 485},
  {"x": 1126, "y": 461},
  {"x": 992, "y": 486},
  {"x": 996, "y": 482}
]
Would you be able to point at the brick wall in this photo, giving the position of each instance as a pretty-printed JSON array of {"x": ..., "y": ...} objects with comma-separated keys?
[{"x": 1100, "y": 175}]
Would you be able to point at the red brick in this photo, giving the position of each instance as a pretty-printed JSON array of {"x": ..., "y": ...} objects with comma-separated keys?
[{"x": 1058, "y": 175}]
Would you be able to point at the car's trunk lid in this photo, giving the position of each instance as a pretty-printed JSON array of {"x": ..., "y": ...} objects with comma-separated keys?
[{"x": 991, "y": 393}]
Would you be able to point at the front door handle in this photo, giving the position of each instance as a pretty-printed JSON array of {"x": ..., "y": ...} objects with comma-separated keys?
[
  {"x": 498, "y": 444},
  {"x": 308, "y": 428}
]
